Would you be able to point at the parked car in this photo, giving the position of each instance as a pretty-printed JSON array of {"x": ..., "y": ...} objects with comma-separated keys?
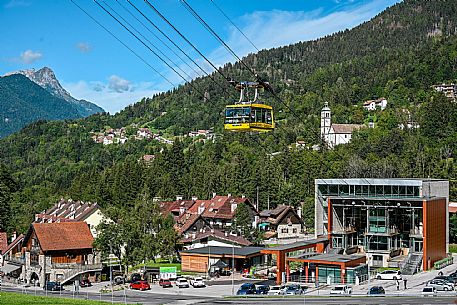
[
  {"x": 53, "y": 286},
  {"x": 454, "y": 275},
  {"x": 293, "y": 290},
  {"x": 341, "y": 289},
  {"x": 85, "y": 283},
  {"x": 389, "y": 275},
  {"x": 429, "y": 291},
  {"x": 376, "y": 290},
  {"x": 446, "y": 278},
  {"x": 261, "y": 289},
  {"x": 165, "y": 283},
  {"x": 441, "y": 285},
  {"x": 140, "y": 285},
  {"x": 182, "y": 283},
  {"x": 197, "y": 282},
  {"x": 246, "y": 289},
  {"x": 276, "y": 290}
]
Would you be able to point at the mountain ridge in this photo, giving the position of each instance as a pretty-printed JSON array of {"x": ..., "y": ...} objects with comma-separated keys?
[{"x": 46, "y": 78}]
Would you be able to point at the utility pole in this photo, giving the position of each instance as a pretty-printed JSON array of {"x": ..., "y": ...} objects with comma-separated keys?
[{"x": 233, "y": 269}]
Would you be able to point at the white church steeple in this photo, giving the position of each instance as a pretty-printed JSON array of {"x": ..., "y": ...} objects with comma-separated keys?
[{"x": 326, "y": 121}]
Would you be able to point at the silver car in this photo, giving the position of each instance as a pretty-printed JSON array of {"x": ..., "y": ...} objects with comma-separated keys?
[{"x": 440, "y": 285}]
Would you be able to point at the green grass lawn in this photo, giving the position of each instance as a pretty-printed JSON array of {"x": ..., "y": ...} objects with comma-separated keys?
[
  {"x": 452, "y": 248},
  {"x": 11, "y": 298}
]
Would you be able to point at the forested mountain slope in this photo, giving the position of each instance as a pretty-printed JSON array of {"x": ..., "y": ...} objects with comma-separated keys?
[
  {"x": 398, "y": 55},
  {"x": 22, "y": 102}
]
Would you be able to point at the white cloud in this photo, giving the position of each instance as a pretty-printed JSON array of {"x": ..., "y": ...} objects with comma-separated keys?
[
  {"x": 16, "y": 3},
  {"x": 119, "y": 84},
  {"x": 268, "y": 29},
  {"x": 29, "y": 56},
  {"x": 112, "y": 101},
  {"x": 84, "y": 47}
]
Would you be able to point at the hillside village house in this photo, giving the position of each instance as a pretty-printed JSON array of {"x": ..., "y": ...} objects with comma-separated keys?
[
  {"x": 208, "y": 219},
  {"x": 449, "y": 90},
  {"x": 335, "y": 134},
  {"x": 59, "y": 252},
  {"x": 69, "y": 210},
  {"x": 372, "y": 105},
  {"x": 11, "y": 258},
  {"x": 283, "y": 222}
]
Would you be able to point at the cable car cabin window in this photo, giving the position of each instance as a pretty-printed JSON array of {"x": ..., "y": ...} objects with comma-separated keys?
[{"x": 237, "y": 115}]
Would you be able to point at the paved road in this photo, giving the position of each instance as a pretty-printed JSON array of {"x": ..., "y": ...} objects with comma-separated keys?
[{"x": 338, "y": 300}]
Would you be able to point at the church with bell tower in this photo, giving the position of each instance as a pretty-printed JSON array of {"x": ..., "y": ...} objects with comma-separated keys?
[{"x": 335, "y": 134}]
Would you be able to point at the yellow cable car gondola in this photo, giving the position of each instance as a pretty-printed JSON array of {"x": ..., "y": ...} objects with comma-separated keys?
[{"x": 249, "y": 115}]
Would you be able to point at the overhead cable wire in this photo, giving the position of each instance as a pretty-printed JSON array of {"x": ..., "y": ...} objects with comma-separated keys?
[
  {"x": 184, "y": 37},
  {"x": 121, "y": 42},
  {"x": 145, "y": 38},
  {"x": 215, "y": 35},
  {"x": 258, "y": 78},
  {"x": 158, "y": 38},
  {"x": 230, "y": 20},
  {"x": 179, "y": 48},
  {"x": 142, "y": 42}
]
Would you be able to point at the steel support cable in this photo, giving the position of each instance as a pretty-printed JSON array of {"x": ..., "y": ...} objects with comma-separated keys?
[
  {"x": 179, "y": 48},
  {"x": 121, "y": 42},
  {"x": 185, "y": 39},
  {"x": 146, "y": 39},
  {"x": 142, "y": 42},
  {"x": 239, "y": 30},
  {"x": 209, "y": 29},
  {"x": 158, "y": 38},
  {"x": 258, "y": 78}
]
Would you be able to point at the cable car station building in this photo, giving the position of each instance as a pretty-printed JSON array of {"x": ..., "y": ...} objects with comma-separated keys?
[{"x": 386, "y": 219}]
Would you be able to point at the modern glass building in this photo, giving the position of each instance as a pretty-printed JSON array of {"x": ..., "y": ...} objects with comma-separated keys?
[{"x": 403, "y": 220}]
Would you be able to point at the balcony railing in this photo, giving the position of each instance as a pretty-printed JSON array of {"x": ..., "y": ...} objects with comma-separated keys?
[{"x": 75, "y": 266}]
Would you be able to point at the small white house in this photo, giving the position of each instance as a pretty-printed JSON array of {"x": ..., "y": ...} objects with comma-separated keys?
[{"x": 372, "y": 105}]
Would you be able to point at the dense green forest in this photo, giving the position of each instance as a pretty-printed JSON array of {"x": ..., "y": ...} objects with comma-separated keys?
[{"x": 397, "y": 55}]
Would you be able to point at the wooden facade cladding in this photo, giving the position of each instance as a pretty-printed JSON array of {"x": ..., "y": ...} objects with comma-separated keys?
[
  {"x": 434, "y": 220},
  {"x": 194, "y": 263}
]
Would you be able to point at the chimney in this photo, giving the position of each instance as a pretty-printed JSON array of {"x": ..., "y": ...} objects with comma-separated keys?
[
  {"x": 226, "y": 234},
  {"x": 194, "y": 198},
  {"x": 179, "y": 197},
  {"x": 214, "y": 195},
  {"x": 14, "y": 236},
  {"x": 230, "y": 195},
  {"x": 243, "y": 196}
]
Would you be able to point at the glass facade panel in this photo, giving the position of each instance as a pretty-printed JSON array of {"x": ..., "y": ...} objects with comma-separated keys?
[
  {"x": 377, "y": 221},
  {"x": 329, "y": 271},
  {"x": 369, "y": 190},
  {"x": 344, "y": 190},
  {"x": 379, "y": 243}
]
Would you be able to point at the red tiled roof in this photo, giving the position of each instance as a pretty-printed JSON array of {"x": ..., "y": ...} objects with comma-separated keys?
[
  {"x": 452, "y": 207},
  {"x": 174, "y": 206},
  {"x": 14, "y": 243},
  {"x": 218, "y": 207},
  {"x": 68, "y": 210},
  {"x": 3, "y": 241},
  {"x": 63, "y": 235},
  {"x": 217, "y": 234}
]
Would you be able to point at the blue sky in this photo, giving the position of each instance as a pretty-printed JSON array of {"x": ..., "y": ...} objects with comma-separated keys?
[{"x": 92, "y": 65}]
